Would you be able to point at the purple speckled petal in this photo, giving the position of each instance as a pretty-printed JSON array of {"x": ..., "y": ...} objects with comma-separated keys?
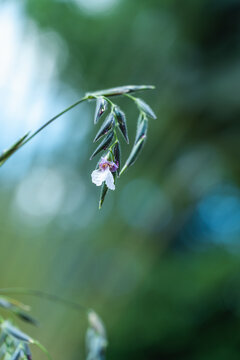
[
  {"x": 104, "y": 164},
  {"x": 113, "y": 167}
]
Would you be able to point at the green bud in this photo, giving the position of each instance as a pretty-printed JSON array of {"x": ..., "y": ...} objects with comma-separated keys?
[
  {"x": 121, "y": 90},
  {"x": 104, "y": 190},
  {"x": 104, "y": 144},
  {"x": 134, "y": 153},
  {"x": 121, "y": 118},
  {"x": 16, "y": 333},
  {"x": 7, "y": 153},
  {"x": 145, "y": 108},
  {"x": 106, "y": 126},
  {"x": 141, "y": 128},
  {"x": 117, "y": 156},
  {"x": 101, "y": 107},
  {"x": 17, "y": 354}
]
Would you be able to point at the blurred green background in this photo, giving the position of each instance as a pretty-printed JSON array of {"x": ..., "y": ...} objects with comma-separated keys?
[{"x": 161, "y": 261}]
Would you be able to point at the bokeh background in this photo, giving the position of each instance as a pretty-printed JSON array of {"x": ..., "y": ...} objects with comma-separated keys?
[{"x": 161, "y": 261}]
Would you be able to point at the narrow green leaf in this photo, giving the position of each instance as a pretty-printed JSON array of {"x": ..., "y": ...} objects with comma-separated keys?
[
  {"x": 101, "y": 107},
  {"x": 5, "y": 304},
  {"x": 17, "y": 354},
  {"x": 141, "y": 128},
  {"x": 104, "y": 190},
  {"x": 117, "y": 156},
  {"x": 7, "y": 153},
  {"x": 106, "y": 126},
  {"x": 25, "y": 317},
  {"x": 104, "y": 144},
  {"x": 123, "y": 90},
  {"x": 16, "y": 309},
  {"x": 134, "y": 153},
  {"x": 143, "y": 106},
  {"x": 16, "y": 333},
  {"x": 27, "y": 352},
  {"x": 121, "y": 118},
  {"x": 41, "y": 347},
  {"x": 96, "y": 323}
]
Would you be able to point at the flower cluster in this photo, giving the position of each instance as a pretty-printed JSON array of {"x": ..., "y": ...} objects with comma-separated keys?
[{"x": 110, "y": 164}]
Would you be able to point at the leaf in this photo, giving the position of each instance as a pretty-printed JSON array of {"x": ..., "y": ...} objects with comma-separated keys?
[
  {"x": 96, "y": 340},
  {"x": 96, "y": 323},
  {"x": 5, "y": 304},
  {"x": 41, "y": 347},
  {"x": 141, "y": 128},
  {"x": 104, "y": 144},
  {"x": 117, "y": 156},
  {"x": 123, "y": 90},
  {"x": 106, "y": 126},
  {"x": 25, "y": 317},
  {"x": 27, "y": 352},
  {"x": 17, "y": 354},
  {"x": 134, "y": 153},
  {"x": 104, "y": 190},
  {"x": 121, "y": 118},
  {"x": 101, "y": 107},
  {"x": 16, "y": 309},
  {"x": 145, "y": 108},
  {"x": 7, "y": 153},
  {"x": 16, "y": 333}
]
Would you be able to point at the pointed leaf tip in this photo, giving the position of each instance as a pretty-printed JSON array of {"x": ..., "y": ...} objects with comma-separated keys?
[
  {"x": 101, "y": 107},
  {"x": 142, "y": 128},
  {"x": 104, "y": 144},
  {"x": 134, "y": 154},
  {"x": 106, "y": 126},
  {"x": 103, "y": 194},
  {"x": 143, "y": 106},
  {"x": 122, "y": 122},
  {"x": 121, "y": 90},
  {"x": 117, "y": 156}
]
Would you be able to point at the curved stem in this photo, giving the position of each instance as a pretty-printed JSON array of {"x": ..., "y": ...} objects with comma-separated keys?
[
  {"x": 44, "y": 295},
  {"x": 25, "y": 139},
  {"x": 53, "y": 119}
]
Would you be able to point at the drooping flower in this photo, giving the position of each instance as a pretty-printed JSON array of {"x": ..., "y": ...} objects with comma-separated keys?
[{"x": 104, "y": 173}]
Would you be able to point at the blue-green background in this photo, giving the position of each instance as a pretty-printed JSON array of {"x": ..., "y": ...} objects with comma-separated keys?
[{"x": 160, "y": 262}]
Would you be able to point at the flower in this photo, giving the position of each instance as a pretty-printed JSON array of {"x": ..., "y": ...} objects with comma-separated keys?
[{"x": 104, "y": 173}]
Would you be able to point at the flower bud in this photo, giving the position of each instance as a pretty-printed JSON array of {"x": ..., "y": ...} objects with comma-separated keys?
[
  {"x": 117, "y": 156},
  {"x": 101, "y": 107},
  {"x": 145, "y": 108},
  {"x": 141, "y": 128},
  {"x": 121, "y": 118},
  {"x": 104, "y": 144},
  {"x": 106, "y": 126},
  {"x": 104, "y": 190},
  {"x": 16, "y": 333},
  {"x": 134, "y": 153},
  {"x": 121, "y": 90}
]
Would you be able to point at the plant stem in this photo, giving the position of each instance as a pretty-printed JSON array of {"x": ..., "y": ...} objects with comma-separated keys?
[
  {"x": 53, "y": 119},
  {"x": 44, "y": 295}
]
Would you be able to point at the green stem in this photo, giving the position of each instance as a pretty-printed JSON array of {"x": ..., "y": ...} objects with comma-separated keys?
[
  {"x": 25, "y": 139},
  {"x": 53, "y": 119},
  {"x": 41, "y": 294},
  {"x": 130, "y": 97},
  {"x": 109, "y": 101},
  {"x": 41, "y": 347}
]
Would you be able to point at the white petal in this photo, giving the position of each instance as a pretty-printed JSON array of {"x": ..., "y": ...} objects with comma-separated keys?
[
  {"x": 110, "y": 180},
  {"x": 99, "y": 176}
]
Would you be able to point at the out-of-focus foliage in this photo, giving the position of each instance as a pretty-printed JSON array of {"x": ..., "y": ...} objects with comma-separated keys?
[{"x": 161, "y": 261}]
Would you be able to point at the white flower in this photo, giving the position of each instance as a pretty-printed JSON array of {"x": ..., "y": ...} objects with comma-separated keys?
[
  {"x": 99, "y": 176},
  {"x": 104, "y": 173}
]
